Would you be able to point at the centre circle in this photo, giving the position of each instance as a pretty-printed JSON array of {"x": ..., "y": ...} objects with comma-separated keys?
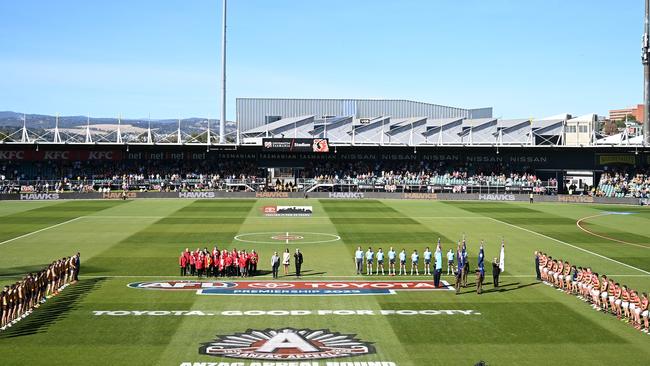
[
  {"x": 274, "y": 237},
  {"x": 287, "y": 237}
]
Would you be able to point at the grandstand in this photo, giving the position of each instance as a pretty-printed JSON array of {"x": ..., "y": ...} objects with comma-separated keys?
[{"x": 344, "y": 122}]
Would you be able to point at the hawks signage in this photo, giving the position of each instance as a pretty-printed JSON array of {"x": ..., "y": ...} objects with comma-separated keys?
[
  {"x": 39, "y": 196},
  {"x": 296, "y": 145},
  {"x": 287, "y": 344},
  {"x": 287, "y": 210},
  {"x": 496, "y": 197},
  {"x": 293, "y": 288}
]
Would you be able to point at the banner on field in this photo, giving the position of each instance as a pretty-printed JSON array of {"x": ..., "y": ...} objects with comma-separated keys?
[
  {"x": 294, "y": 288},
  {"x": 287, "y": 210}
]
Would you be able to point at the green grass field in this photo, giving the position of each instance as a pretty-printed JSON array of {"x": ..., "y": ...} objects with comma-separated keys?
[{"x": 523, "y": 323}]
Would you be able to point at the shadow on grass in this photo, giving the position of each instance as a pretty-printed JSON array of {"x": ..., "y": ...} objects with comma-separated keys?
[
  {"x": 502, "y": 288},
  {"x": 20, "y": 272},
  {"x": 53, "y": 310}
]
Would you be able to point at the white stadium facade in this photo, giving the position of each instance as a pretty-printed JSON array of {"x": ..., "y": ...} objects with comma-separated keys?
[{"x": 403, "y": 123}]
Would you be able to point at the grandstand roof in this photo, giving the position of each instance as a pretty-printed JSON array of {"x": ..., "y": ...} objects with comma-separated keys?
[{"x": 280, "y": 124}]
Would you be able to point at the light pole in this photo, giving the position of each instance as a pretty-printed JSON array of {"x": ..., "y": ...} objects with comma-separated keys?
[
  {"x": 645, "y": 58},
  {"x": 222, "y": 122}
]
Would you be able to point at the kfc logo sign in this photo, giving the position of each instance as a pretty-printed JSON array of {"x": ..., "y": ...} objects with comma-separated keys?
[
  {"x": 100, "y": 155},
  {"x": 287, "y": 344},
  {"x": 56, "y": 155},
  {"x": 12, "y": 155}
]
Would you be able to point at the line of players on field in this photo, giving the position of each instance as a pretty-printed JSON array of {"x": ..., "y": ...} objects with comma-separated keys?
[
  {"x": 602, "y": 292},
  {"x": 21, "y": 298},
  {"x": 370, "y": 258},
  {"x": 218, "y": 263}
]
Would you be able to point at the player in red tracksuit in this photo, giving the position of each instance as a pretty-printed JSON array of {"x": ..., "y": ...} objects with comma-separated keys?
[
  {"x": 243, "y": 264},
  {"x": 187, "y": 256},
  {"x": 207, "y": 265},
  {"x": 199, "y": 265},
  {"x": 192, "y": 264},
  {"x": 182, "y": 262},
  {"x": 253, "y": 258},
  {"x": 222, "y": 264},
  {"x": 228, "y": 262},
  {"x": 215, "y": 261}
]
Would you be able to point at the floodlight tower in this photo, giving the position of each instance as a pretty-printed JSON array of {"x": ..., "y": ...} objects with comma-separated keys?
[
  {"x": 645, "y": 58},
  {"x": 222, "y": 122}
]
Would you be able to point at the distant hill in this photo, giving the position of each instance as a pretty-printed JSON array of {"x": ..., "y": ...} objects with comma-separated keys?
[{"x": 10, "y": 120}]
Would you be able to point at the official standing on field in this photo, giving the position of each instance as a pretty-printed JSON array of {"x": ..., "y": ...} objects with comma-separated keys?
[
  {"x": 297, "y": 257},
  {"x": 358, "y": 259},
  {"x": 438, "y": 269},
  {"x": 496, "y": 271},
  {"x": 275, "y": 264},
  {"x": 539, "y": 275}
]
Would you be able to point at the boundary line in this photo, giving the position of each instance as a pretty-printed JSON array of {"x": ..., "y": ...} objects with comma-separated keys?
[
  {"x": 603, "y": 236},
  {"x": 571, "y": 245}
]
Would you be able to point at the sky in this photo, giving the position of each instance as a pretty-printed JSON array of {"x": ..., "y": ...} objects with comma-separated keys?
[{"x": 162, "y": 58}]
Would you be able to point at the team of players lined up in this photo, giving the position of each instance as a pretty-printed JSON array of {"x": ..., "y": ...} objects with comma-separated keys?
[
  {"x": 460, "y": 271},
  {"x": 603, "y": 293},
  {"x": 21, "y": 298},
  {"x": 218, "y": 263}
]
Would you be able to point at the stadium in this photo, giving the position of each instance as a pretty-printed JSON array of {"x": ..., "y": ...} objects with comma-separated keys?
[{"x": 325, "y": 232}]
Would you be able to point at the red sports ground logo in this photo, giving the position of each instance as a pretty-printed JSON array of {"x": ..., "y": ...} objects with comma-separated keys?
[{"x": 287, "y": 343}]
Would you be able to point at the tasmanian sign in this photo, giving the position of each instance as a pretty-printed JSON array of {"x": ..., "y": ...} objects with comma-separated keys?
[
  {"x": 293, "y": 288},
  {"x": 296, "y": 145},
  {"x": 287, "y": 344}
]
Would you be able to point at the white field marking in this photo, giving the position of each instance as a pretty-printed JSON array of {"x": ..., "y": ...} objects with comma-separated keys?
[
  {"x": 39, "y": 230},
  {"x": 123, "y": 217},
  {"x": 603, "y": 236},
  {"x": 571, "y": 245},
  {"x": 285, "y": 217}
]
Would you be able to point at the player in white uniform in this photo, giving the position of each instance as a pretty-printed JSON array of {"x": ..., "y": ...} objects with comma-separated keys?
[
  {"x": 369, "y": 257},
  {"x": 450, "y": 262},
  {"x": 391, "y": 261},
  {"x": 427, "y": 261},
  {"x": 414, "y": 262},
  {"x": 380, "y": 261},
  {"x": 402, "y": 262}
]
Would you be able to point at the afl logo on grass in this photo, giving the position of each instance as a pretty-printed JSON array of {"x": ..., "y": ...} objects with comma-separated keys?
[{"x": 287, "y": 344}]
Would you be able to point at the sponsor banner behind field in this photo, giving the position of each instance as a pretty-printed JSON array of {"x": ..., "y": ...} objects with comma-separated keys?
[
  {"x": 419, "y": 196},
  {"x": 287, "y": 210},
  {"x": 293, "y": 288},
  {"x": 32, "y": 196},
  {"x": 346, "y": 195},
  {"x": 35, "y": 155},
  {"x": 296, "y": 145},
  {"x": 272, "y": 195},
  {"x": 197, "y": 195},
  {"x": 496, "y": 197},
  {"x": 575, "y": 199},
  {"x": 39, "y": 196}
]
